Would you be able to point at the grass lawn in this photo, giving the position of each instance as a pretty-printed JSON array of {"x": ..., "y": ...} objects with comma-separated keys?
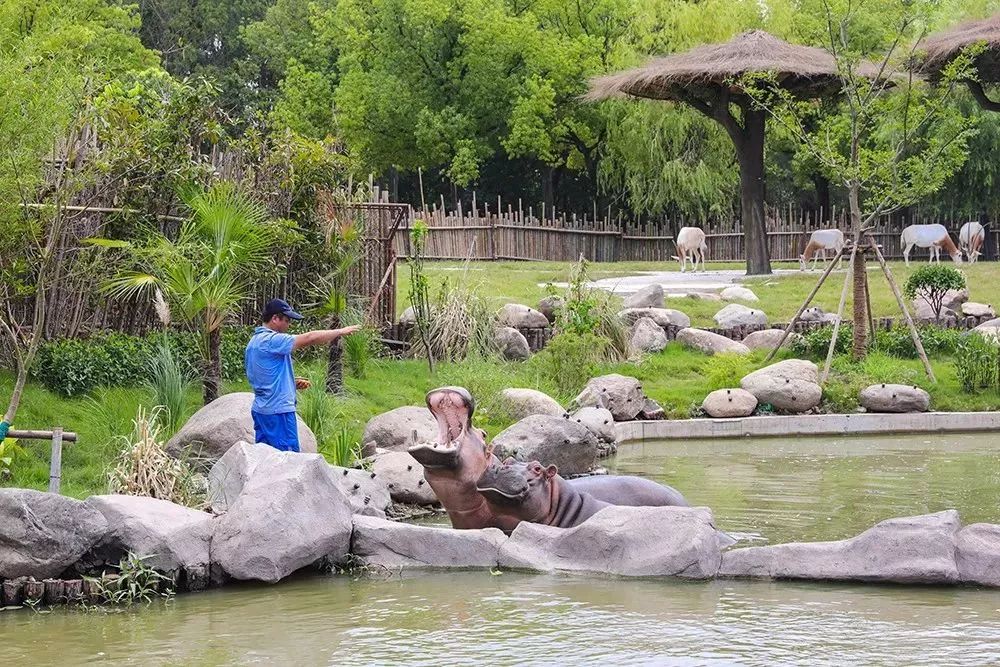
[
  {"x": 780, "y": 296},
  {"x": 677, "y": 378}
]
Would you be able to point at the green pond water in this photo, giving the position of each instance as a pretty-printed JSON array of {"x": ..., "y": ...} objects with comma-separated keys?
[{"x": 801, "y": 489}]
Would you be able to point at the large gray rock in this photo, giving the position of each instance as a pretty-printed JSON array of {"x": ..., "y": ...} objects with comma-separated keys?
[
  {"x": 598, "y": 421},
  {"x": 977, "y": 553},
  {"x": 729, "y": 403},
  {"x": 172, "y": 537},
  {"x": 790, "y": 386},
  {"x": 409, "y": 316},
  {"x": 401, "y": 545},
  {"x": 954, "y": 298},
  {"x": 221, "y": 424},
  {"x": 42, "y": 534},
  {"x": 894, "y": 398},
  {"x": 231, "y": 472},
  {"x": 511, "y": 344},
  {"x": 909, "y": 550},
  {"x": 367, "y": 493},
  {"x": 520, "y": 316},
  {"x": 630, "y": 541},
  {"x": 521, "y": 403},
  {"x": 404, "y": 478},
  {"x": 620, "y": 394},
  {"x": 289, "y": 514},
  {"x": 650, "y": 296},
  {"x": 738, "y": 315},
  {"x": 813, "y": 314},
  {"x": 709, "y": 343},
  {"x": 393, "y": 430},
  {"x": 990, "y": 329},
  {"x": 551, "y": 441},
  {"x": 950, "y": 306},
  {"x": 767, "y": 339},
  {"x": 549, "y": 306},
  {"x": 978, "y": 310},
  {"x": 647, "y": 336},
  {"x": 662, "y": 316},
  {"x": 737, "y": 293}
]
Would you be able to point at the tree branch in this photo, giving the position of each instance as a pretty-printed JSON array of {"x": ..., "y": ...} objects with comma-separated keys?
[{"x": 976, "y": 88}]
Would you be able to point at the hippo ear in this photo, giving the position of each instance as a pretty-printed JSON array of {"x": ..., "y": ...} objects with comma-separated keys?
[
  {"x": 510, "y": 460},
  {"x": 551, "y": 472}
]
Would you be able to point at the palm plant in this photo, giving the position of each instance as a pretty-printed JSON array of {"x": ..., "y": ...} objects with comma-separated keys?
[
  {"x": 341, "y": 250},
  {"x": 208, "y": 271}
]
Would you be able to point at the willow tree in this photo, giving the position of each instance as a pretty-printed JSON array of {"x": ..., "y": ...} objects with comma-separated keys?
[{"x": 706, "y": 78}]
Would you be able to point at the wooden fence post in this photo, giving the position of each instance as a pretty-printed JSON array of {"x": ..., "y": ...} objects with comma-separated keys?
[{"x": 55, "y": 465}]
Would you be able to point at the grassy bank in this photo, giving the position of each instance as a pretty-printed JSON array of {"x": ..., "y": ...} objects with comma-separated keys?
[
  {"x": 780, "y": 296},
  {"x": 677, "y": 378}
]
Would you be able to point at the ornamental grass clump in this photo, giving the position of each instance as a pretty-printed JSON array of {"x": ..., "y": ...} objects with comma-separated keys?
[{"x": 144, "y": 468}]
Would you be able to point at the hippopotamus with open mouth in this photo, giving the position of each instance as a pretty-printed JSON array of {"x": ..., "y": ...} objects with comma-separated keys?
[{"x": 455, "y": 463}]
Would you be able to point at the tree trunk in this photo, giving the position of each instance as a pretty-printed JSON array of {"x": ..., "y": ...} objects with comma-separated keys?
[
  {"x": 15, "y": 396},
  {"x": 822, "y": 185},
  {"x": 212, "y": 381},
  {"x": 335, "y": 363},
  {"x": 751, "y": 159},
  {"x": 860, "y": 346},
  {"x": 548, "y": 188}
]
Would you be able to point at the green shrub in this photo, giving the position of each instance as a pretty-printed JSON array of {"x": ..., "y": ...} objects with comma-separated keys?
[
  {"x": 931, "y": 282},
  {"x": 569, "y": 360},
  {"x": 816, "y": 343},
  {"x": 977, "y": 363},
  {"x": 898, "y": 343},
  {"x": 71, "y": 367},
  {"x": 360, "y": 349}
]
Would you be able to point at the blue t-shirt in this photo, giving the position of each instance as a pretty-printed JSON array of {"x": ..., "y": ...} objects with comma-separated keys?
[{"x": 268, "y": 359}]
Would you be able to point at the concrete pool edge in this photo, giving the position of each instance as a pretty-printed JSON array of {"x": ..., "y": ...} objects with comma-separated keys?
[{"x": 833, "y": 424}]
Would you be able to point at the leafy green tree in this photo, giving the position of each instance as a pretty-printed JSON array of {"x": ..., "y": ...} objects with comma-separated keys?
[
  {"x": 931, "y": 283},
  {"x": 207, "y": 273}
]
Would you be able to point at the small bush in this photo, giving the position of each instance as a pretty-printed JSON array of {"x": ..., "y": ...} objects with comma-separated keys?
[
  {"x": 569, "y": 360},
  {"x": 168, "y": 378},
  {"x": 71, "y": 367},
  {"x": 360, "y": 349},
  {"x": 143, "y": 467},
  {"x": 816, "y": 343},
  {"x": 898, "y": 342},
  {"x": 977, "y": 363},
  {"x": 931, "y": 282}
]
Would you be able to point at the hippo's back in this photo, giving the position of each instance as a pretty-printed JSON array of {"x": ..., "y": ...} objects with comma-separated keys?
[{"x": 628, "y": 490}]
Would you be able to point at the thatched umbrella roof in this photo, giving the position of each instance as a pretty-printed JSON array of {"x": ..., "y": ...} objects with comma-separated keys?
[
  {"x": 803, "y": 69},
  {"x": 941, "y": 48}
]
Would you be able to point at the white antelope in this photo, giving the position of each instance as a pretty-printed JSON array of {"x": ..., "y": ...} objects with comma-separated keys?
[
  {"x": 691, "y": 242},
  {"x": 819, "y": 242},
  {"x": 934, "y": 237},
  {"x": 970, "y": 240}
]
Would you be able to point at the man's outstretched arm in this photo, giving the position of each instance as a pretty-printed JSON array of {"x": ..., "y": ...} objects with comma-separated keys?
[{"x": 322, "y": 336}]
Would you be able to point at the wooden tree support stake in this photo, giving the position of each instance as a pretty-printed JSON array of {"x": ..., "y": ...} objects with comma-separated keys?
[
  {"x": 805, "y": 305},
  {"x": 906, "y": 313},
  {"x": 840, "y": 316}
]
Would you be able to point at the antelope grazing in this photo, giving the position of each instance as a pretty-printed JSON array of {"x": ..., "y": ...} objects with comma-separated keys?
[
  {"x": 819, "y": 242},
  {"x": 691, "y": 242},
  {"x": 934, "y": 237},
  {"x": 970, "y": 240}
]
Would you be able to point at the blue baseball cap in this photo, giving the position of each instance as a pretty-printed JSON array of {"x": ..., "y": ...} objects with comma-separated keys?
[{"x": 279, "y": 307}]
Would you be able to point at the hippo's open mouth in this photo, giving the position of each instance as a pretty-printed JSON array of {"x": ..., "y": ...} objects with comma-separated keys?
[{"x": 452, "y": 407}]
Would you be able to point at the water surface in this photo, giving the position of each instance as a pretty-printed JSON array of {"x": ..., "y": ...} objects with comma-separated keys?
[{"x": 793, "y": 489}]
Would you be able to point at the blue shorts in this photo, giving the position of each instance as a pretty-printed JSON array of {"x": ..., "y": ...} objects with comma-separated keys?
[{"x": 280, "y": 431}]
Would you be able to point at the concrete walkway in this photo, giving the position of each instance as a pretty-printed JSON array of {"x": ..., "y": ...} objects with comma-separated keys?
[
  {"x": 675, "y": 283},
  {"x": 792, "y": 425}
]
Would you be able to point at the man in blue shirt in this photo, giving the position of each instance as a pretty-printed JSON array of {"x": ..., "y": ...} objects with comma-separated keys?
[{"x": 268, "y": 359}]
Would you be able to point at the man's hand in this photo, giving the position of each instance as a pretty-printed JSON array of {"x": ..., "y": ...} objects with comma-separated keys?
[
  {"x": 347, "y": 331},
  {"x": 302, "y": 383}
]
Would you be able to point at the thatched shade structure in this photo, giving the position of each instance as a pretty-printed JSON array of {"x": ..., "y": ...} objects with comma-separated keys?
[
  {"x": 941, "y": 48},
  {"x": 703, "y": 78}
]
